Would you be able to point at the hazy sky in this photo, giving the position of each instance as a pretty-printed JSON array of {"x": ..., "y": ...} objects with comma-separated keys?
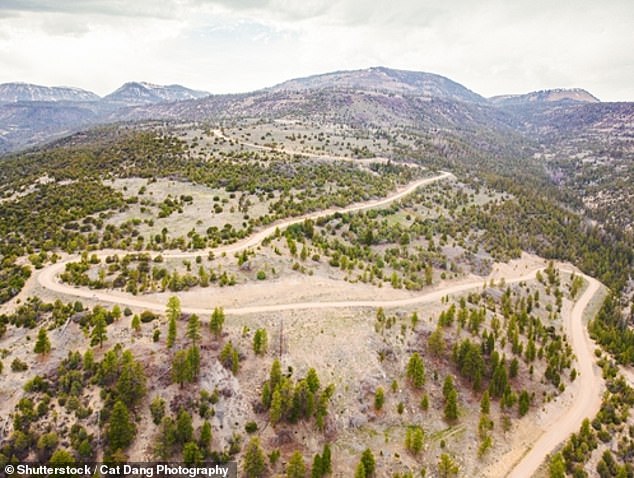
[{"x": 491, "y": 46}]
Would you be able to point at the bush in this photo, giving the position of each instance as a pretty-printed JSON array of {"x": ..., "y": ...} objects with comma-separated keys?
[
  {"x": 148, "y": 316},
  {"x": 18, "y": 365},
  {"x": 261, "y": 275}
]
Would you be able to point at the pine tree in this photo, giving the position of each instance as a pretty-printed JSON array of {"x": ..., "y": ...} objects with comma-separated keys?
[
  {"x": 42, "y": 345},
  {"x": 171, "y": 332},
  {"x": 447, "y": 467},
  {"x": 524, "y": 403},
  {"x": 275, "y": 412},
  {"x": 451, "y": 399},
  {"x": 316, "y": 470},
  {"x": 379, "y": 398},
  {"x": 312, "y": 379},
  {"x": 436, "y": 342},
  {"x": 416, "y": 371},
  {"x": 173, "y": 310},
  {"x": 326, "y": 460},
  {"x": 136, "y": 323},
  {"x": 130, "y": 385},
  {"x": 557, "y": 467},
  {"x": 230, "y": 358},
  {"x": 121, "y": 429},
  {"x": 173, "y": 313},
  {"x": 181, "y": 372},
  {"x": 369, "y": 463},
  {"x": 192, "y": 454},
  {"x": 296, "y": 468},
  {"x": 205, "y": 438},
  {"x": 485, "y": 403},
  {"x": 98, "y": 335},
  {"x": 184, "y": 429},
  {"x": 414, "y": 439},
  {"x": 254, "y": 461},
  {"x": 360, "y": 471},
  {"x": 217, "y": 321},
  {"x": 193, "y": 329},
  {"x": 193, "y": 360},
  {"x": 260, "y": 342}
]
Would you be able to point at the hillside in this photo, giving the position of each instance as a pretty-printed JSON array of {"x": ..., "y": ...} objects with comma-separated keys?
[
  {"x": 412, "y": 83},
  {"x": 291, "y": 279}
]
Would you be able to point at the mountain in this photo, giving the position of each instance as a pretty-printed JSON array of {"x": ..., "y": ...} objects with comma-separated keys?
[
  {"x": 576, "y": 95},
  {"x": 388, "y": 80},
  {"x": 377, "y": 97},
  {"x": 140, "y": 93},
  {"x": 31, "y": 114},
  {"x": 14, "y": 92}
]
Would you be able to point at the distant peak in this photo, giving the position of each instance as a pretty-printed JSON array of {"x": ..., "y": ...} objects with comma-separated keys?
[{"x": 547, "y": 96}]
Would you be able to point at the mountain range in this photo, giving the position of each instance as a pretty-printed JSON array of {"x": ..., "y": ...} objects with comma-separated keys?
[{"x": 31, "y": 114}]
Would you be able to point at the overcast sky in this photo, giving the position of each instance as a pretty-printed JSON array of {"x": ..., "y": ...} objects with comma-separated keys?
[{"x": 491, "y": 46}]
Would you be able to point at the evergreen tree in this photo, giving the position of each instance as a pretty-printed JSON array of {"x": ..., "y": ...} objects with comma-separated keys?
[
  {"x": 436, "y": 342},
  {"x": 98, "y": 335},
  {"x": 157, "y": 409},
  {"x": 171, "y": 332},
  {"x": 414, "y": 439},
  {"x": 485, "y": 403},
  {"x": 296, "y": 468},
  {"x": 136, "y": 323},
  {"x": 181, "y": 371},
  {"x": 42, "y": 345},
  {"x": 184, "y": 431},
  {"x": 230, "y": 358},
  {"x": 275, "y": 412},
  {"x": 130, "y": 385},
  {"x": 254, "y": 461},
  {"x": 193, "y": 359},
  {"x": 379, "y": 398},
  {"x": 173, "y": 310},
  {"x": 360, "y": 471},
  {"x": 316, "y": 470},
  {"x": 369, "y": 463},
  {"x": 260, "y": 342},
  {"x": 524, "y": 403},
  {"x": 121, "y": 429},
  {"x": 61, "y": 457},
  {"x": 446, "y": 466},
  {"x": 217, "y": 321},
  {"x": 192, "y": 454},
  {"x": 173, "y": 313},
  {"x": 451, "y": 399},
  {"x": 166, "y": 439},
  {"x": 312, "y": 379},
  {"x": 415, "y": 372},
  {"x": 499, "y": 381},
  {"x": 557, "y": 467},
  {"x": 205, "y": 438},
  {"x": 326, "y": 460},
  {"x": 193, "y": 329}
]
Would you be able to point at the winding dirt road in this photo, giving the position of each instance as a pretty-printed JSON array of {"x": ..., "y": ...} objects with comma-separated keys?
[{"x": 586, "y": 404}]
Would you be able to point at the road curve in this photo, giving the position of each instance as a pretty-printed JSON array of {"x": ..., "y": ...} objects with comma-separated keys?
[
  {"x": 586, "y": 404},
  {"x": 48, "y": 276}
]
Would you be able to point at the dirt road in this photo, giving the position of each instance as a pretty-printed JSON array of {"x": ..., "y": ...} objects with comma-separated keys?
[{"x": 587, "y": 402}]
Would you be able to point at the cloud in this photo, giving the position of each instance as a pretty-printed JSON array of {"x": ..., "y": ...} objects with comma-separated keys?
[{"x": 491, "y": 46}]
